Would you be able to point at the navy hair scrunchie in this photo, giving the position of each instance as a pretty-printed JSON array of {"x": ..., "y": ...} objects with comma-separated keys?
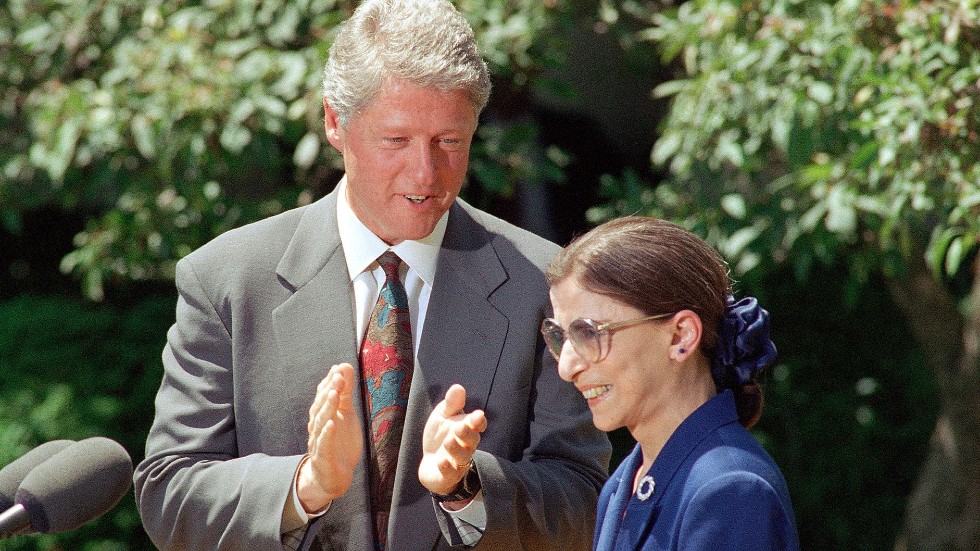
[{"x": 744, "y": 346}]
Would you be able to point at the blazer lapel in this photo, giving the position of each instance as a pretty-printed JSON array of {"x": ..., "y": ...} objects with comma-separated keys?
[
  {"x": 464, "y": 333},
  {"x": 315, "y": 329},
  {"x": 461, "y": 342},
  {"x": 641, "y": 515},
  {"x": 315, "y": 325},
  {"x": 611, "y": 522}
]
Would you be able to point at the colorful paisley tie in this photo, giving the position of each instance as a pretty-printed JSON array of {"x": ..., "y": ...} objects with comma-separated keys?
[{"x": 386, "y": 368}]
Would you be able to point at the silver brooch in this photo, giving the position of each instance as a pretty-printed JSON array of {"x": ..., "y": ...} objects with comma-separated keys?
[{"x": 645, "y": 489}]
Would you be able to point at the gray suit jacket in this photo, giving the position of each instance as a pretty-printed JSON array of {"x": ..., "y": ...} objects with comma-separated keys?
[{"x": 266, "y": 309}]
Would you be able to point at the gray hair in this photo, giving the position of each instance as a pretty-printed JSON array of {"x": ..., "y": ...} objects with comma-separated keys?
[{"x": 425, "y": 42}]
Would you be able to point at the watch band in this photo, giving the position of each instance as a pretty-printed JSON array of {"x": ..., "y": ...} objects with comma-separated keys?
[{"x": 468, "y": 487}]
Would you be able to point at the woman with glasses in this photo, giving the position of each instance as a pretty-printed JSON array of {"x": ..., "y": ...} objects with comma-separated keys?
[{"x": 646, "y": 328}]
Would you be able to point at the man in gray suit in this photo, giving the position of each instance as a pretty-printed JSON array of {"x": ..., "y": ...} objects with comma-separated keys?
[{"x": 259, "y": 438}]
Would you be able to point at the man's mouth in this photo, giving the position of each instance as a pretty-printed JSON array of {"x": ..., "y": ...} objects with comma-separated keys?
[
  {"x": 417, "y": 199},
  {"x": 595, "y": 392}
]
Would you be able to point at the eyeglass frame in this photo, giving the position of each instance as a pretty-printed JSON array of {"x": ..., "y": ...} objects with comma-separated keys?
[{"x": 600, "y": 330}]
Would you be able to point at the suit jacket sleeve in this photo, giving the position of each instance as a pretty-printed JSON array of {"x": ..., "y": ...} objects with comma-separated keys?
[
  {"x": 193, "y": 489},
  {"x": 547, "y": 499}
]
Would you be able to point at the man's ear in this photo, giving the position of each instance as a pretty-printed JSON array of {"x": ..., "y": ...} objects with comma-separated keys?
[
  {"x": 687, "y": 334},
  {"x": 331, "y": 125}
]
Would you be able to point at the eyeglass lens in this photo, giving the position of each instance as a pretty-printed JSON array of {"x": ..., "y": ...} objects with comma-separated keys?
[{"x": 582, "y": 333}]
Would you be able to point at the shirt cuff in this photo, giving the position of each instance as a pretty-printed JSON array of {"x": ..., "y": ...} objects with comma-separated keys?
[
  {"x": 293, "y": 514},
  {"x": 471, "y": 520}
]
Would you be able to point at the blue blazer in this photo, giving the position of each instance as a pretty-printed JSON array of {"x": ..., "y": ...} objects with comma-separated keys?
[{"x": 713, "y": 487}]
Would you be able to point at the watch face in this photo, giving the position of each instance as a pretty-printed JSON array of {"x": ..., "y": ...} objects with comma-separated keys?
[
  {"x": 467, "y": 488},
  {"x": 471, "y": 482}
]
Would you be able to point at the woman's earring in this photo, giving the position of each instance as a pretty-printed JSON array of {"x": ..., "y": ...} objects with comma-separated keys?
[{"x": 682, "y": 351}]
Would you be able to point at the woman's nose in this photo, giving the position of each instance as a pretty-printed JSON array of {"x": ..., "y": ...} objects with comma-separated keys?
[{"x": 570, "y": 364}]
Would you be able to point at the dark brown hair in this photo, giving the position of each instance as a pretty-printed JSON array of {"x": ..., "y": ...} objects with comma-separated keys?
[{"x": 657, "y": 267}]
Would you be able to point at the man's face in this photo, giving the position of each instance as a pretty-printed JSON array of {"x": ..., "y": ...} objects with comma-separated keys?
[{"x": 405, "y": 155}]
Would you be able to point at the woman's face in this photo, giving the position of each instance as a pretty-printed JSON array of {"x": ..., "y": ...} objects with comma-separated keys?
[{"x": 630, "y": 385}]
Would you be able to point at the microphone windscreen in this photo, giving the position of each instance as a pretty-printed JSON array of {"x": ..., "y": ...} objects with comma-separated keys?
[
  {"x": 13, "y": 474},
  {"x": 76, "y": 485}
]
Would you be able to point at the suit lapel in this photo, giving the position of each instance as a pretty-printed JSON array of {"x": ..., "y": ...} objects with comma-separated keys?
[
  {"x": 315, "y": 329},
  {"x": 462, "y": 340},
  {"x": 636, "y": 528},
  {"x": 315, "y": 325},
  {"x": 464, "y": 333},
  {"x": 614, "y": 530}
]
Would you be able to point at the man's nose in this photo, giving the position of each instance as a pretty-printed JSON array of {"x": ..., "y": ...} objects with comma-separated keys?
[{"x": 424, "y": 161}]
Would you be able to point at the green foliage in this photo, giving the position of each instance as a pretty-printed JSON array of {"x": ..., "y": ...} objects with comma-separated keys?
[
  {"x": 505, "y": 155},
  {"x": 847, "y": 423},
  {"x": 519, "y": 38},
  {"x": 177, "y": 116},
  {"x": 811, "y": 131},
  {"x": 70, "y": 369},
  {"x": 171, "y": 121}
]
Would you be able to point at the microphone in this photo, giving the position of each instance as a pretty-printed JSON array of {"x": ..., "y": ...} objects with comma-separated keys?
[
  {"x": 74, "y": 486},
  {"x": 13, "y": 474}
]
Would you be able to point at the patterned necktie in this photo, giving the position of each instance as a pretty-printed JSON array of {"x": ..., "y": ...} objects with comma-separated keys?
[{"x": 386, "y": 368}]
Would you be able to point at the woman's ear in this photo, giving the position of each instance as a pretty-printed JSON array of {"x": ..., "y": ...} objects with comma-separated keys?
[
  {"x": 687, "y": 335},
  {"x": 332, "y": 127}
]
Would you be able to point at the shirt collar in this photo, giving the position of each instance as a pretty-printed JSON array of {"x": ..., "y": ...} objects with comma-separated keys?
[{"x": 362, "y": 247}]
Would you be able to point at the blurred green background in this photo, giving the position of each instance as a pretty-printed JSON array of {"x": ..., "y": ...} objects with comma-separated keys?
[{"x": 827, "y": 149}]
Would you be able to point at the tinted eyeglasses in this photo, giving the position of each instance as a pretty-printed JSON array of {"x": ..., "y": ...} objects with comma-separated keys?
[{"x": 589, "y": 339}]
